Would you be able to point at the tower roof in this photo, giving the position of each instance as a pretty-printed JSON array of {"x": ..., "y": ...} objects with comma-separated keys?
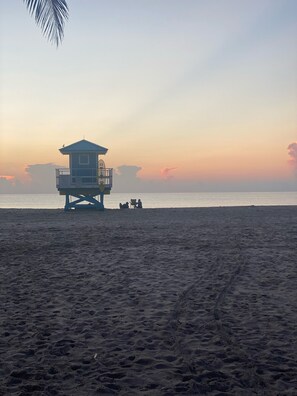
[{"x": 83, "y": 146}]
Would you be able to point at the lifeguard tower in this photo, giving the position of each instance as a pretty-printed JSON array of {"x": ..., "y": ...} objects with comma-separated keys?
[{"x": 86, "y": 179}]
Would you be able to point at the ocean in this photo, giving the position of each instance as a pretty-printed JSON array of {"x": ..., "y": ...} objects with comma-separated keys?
[{"x": 158, "y": 200}]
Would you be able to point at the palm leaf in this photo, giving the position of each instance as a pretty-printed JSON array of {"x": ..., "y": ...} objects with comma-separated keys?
[{"x": 50, "y": 15}]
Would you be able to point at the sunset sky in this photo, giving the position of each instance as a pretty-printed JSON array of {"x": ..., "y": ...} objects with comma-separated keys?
[{"x": 195, "y": 90}]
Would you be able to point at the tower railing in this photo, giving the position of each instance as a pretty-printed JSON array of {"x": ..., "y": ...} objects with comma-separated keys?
[{"x": 84, "y": 178}]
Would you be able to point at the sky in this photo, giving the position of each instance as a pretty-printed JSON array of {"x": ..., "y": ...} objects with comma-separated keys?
[{"x": 192, "y": 95}]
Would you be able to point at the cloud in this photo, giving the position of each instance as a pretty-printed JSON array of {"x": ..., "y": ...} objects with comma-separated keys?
[
  {"x": 126, "y": 179},
  {"x": 166, "y": 173},
  {"x": 41, "y": 179},
  {"x": 7, "y": 185},
  {"x": 292, "y": 151},
  {"x": 127, "y": 171}
]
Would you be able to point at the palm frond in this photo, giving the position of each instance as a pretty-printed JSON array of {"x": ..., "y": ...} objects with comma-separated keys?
[{"x": 50, "y": 15}]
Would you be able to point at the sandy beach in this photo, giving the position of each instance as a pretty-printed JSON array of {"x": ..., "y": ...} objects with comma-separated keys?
[{"x": 149, "y": 302}]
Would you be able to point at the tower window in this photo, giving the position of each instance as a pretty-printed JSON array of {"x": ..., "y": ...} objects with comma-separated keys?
[{"x": 84, "y": 159}]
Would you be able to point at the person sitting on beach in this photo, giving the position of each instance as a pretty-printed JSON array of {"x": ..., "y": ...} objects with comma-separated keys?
[
  {"x": 139, "y": 204},
  {"x": 124, "y": 206}
]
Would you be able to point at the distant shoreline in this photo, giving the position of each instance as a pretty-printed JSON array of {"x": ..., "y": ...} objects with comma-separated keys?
[
  {"x": 157, "y": 200},
  {"x": 147, "y": 209}
]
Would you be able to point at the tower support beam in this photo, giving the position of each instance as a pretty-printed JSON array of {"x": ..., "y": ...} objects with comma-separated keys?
[{"x": 90, "y": 201}]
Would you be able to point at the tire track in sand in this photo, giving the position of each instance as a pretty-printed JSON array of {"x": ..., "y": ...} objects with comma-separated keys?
[
  {"x": 200, "y": 332},
  {"x": 252, "y": 379}
]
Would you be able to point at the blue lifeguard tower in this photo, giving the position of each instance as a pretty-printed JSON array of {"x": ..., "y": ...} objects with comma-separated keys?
[{"x": 87, "y": 179}]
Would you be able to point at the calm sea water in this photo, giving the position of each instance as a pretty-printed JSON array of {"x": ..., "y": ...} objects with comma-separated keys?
[{"x": 158, "y": 200}]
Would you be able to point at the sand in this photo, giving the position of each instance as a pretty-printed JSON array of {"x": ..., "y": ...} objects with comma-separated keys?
[{"x": 149, "y": 302}]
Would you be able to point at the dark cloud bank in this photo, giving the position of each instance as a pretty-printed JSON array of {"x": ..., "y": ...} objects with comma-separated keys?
[{"x": 42, "y": 180}]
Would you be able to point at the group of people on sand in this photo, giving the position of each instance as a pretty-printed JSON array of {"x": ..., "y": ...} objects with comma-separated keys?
[{"x": 135, "y": 203}]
